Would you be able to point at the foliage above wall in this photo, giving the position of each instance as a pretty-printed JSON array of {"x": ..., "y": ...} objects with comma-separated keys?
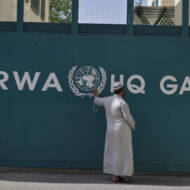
[{"x": 60, "y": 11}]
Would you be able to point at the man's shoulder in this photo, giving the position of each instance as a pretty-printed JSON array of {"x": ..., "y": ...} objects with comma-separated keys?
[
  {"x": 121, "y": 100},
  {"x": 118, "y": 97}
]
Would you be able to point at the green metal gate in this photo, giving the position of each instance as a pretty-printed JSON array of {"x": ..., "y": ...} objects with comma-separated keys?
[{"x": 49, "y": 120}]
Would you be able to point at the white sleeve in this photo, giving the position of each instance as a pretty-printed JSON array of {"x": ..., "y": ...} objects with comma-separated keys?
[
  {"x": 99, "y": 101},
  {"x": 127, "y": 115}
]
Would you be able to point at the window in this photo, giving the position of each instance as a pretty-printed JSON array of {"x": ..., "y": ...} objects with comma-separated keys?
[
  {"x": 158, "y": 12},
  {"x": 35, "y": 6},
  {"x": 48, "y": 11},
  {"x": 8, "y": 10},
  {"x": 103, "y": 11}
]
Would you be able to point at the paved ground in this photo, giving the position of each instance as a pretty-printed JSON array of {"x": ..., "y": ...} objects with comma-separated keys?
[{"x": 45, "y": 181}]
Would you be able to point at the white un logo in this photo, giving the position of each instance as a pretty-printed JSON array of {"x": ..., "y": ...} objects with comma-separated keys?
[{"x": 83, "y": 80}]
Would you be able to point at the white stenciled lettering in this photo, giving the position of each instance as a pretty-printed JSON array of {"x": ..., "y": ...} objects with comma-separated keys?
[
  {"x": 3, "y": 80},
  {"x": 185, "y": 85},
  {"x": 171, "y": 88},
  {"x": 121, "y": 80},
  {"x": 136, "y": 89},
  {"x": 52, "y": 82},
  {"x": 26, "y": 80}
]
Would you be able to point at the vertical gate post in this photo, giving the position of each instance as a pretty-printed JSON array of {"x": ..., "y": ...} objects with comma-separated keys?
[
  {"x": 130, "y": 9},
  {"x": 185, "y": 17},
  {"x": 20, "y": 13},
  {"x": 75, "y": 7}
]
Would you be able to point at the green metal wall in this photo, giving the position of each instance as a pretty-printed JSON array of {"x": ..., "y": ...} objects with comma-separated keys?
[{"x": 59, "y": 129}]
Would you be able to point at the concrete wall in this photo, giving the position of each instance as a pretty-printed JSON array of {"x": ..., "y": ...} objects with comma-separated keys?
[
  {"x": 8, "y": 10},
  {"x": 168, "y": 3},
  {"x": 136, "y": 19},
  {"x": 178, "y": 13},
  {"x": 31, "y": 16}
]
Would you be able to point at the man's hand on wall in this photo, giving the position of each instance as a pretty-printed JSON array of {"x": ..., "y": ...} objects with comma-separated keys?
[{"x": 95, "y": 93}]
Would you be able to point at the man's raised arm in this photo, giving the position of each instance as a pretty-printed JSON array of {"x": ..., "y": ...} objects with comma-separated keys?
[{"x": 97, "y": 100}]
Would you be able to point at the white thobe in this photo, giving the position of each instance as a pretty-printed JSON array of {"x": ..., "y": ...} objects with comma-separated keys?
[{"x": 118, "y": 152}]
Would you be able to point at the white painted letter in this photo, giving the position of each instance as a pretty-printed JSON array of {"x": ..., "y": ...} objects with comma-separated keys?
[
  {"x": 3, "y": 80},
  {"x": 172, "y": 87},
  {"x": 26, "y": 79},
  {"x": 55, "y": 84},
  {"x": 133, "y": 88},
  {"x": 185, "y": 86},
  {"x": 121, "y": 80}
]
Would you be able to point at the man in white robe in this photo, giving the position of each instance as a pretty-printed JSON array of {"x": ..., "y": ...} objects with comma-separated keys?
[{"x": 118, "y": 152}]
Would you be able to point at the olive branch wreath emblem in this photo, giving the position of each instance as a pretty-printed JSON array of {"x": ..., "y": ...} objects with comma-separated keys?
[{"x": 76, "y": 91}]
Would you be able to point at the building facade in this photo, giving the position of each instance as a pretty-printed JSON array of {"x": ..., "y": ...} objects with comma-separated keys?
[{"x": 34, "y": 10}]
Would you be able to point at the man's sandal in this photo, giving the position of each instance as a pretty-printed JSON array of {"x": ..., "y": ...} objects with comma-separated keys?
[{"x": 115, "y": 179}]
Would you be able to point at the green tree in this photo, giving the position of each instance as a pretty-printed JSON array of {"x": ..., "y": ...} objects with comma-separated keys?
[{"x": 60, "y": 11}]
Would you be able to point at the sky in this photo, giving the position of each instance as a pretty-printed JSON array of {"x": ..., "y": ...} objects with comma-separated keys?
[{"x": 104, "y": 11}]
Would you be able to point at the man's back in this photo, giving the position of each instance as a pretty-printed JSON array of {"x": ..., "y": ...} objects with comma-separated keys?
[
  {"x": 117, "y": 111},
  {"x": 113, "y": 108}
]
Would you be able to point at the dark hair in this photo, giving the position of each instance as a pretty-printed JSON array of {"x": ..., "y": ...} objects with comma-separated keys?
[{"x": 119, "y": 90}]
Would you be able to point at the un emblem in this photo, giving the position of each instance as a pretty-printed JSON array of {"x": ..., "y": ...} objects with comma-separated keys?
[{"x": 83, "y": 80}]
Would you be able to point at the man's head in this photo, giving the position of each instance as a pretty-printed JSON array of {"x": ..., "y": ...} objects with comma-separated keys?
[{"x": 118, "y": 89}]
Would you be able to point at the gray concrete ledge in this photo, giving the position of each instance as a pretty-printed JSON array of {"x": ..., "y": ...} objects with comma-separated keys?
[
  {"x": 55, "y": 181},
  {"x": 49, "y": 171},
  {"x": 83, "y": 172}
]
